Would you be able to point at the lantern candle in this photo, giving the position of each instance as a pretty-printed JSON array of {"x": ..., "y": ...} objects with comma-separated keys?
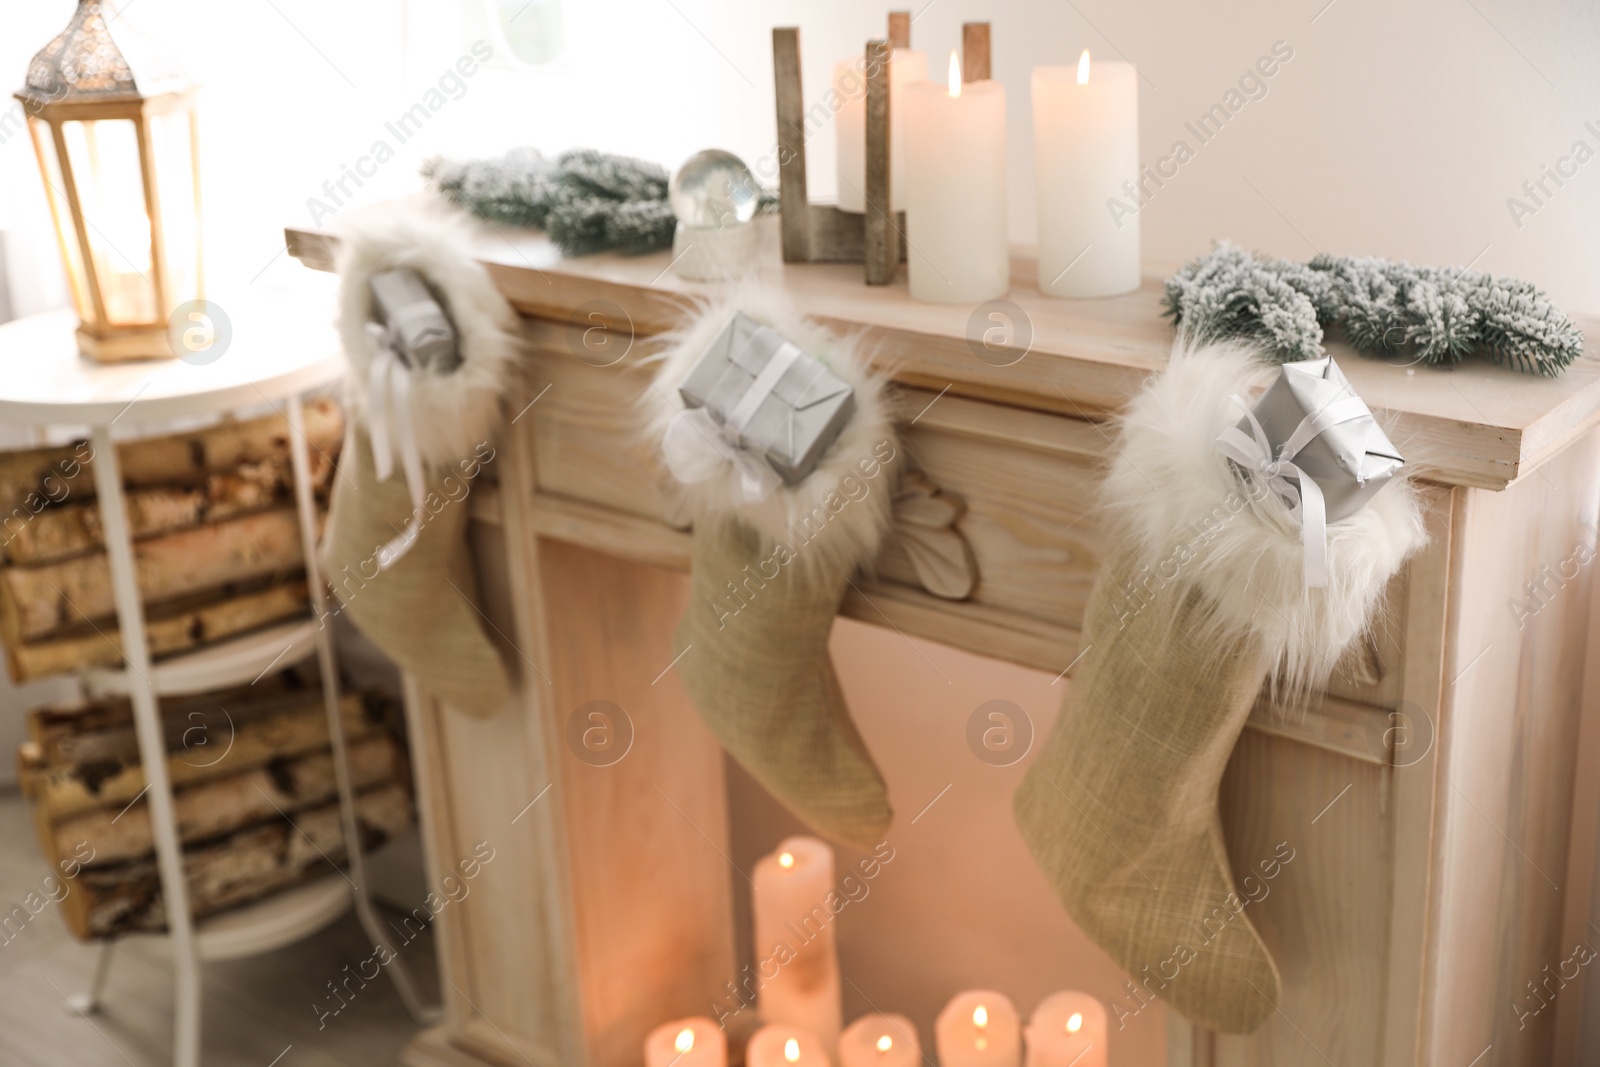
[
  {"x": 117, "y": 139},
  {"x": 794, "y": 929},
  {"x": 957, "y": 247},
  {"x": 1085, "y": 147},
  {"x": 1067, "y": 1030},
  {"x": 978, "y": 1029},
  {"x": 850, "y": 126},
  {"x": 785, "y": 1046},
  {"x": 686, "y": 1043},
  {"x": 880, "y": 1041}
]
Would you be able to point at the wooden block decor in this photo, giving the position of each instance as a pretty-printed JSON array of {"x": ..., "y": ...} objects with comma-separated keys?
[
  {"x": 821, "y": 233},
  {"x": 882, "y": 249},
  {"x": 975, "y": 52},
  {"x": 899, "y": 29}
]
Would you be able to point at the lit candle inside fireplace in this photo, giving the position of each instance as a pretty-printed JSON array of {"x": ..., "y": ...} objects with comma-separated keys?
[
  {"x": 880, "y": 1041},
  {"x": 686, "y": 1043},
  {"x": 794, "y": 939},
  {"x": 1067, "y": 1030},
  {"x": 785, "y": 1046},
  {"x": 957, "y": 247},
  {"x": 978, "y": 1029},
  {"x": 1085, "y": 147}
]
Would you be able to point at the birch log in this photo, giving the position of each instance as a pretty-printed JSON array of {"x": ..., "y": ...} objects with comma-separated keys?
[
  {"x": 36, "y": 478},
  {"x": 169, "y": 628},
  {"x": 126, "y": 898},
  {"x": 227, "y": 805},
  {"x": 60, "y": 792},
  {"x": 74, "y": 529},
  {"x": 104, "y": 729},
  {"x": 35, "y": 601}
]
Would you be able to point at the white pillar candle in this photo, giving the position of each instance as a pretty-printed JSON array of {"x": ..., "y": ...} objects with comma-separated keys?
[
  {"x": 785, "y": 1046},
  {"x": 686, "y": 1043},
  {"x": 1085, "y": 146},
  {"x": 957, "y": 248},
  {"x": 978, "y": 1029},
  {"x": 794, "y": 930},
  {"x": 850, "y": 122},
  {"x": 1067, "y": 1030},
  {"x": 880, "y": 1041}
]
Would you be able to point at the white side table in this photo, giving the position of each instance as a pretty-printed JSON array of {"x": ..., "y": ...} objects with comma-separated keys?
[{"x": 274, "y": 358}]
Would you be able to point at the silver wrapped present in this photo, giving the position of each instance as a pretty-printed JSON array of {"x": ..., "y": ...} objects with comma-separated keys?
[
  {"x": 414, "y": 323},
  {"x": 768, "y": 397},
  {"x": 1316, "y": 444}
]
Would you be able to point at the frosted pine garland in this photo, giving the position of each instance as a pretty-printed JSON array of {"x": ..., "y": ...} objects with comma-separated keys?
[
  {"x": 1385, "y": 308},
  {"x": 586, "y": 201}
]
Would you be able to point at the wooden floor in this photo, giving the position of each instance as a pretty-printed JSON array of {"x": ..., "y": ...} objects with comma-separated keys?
[{"x": 259, "y": 1012}]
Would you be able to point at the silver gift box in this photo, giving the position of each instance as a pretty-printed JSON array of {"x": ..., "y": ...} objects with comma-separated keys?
[
  {"x": 802, "y": 415},
  {"x": 418, "y": 327},
  {"x": 1350, "y": 461}
]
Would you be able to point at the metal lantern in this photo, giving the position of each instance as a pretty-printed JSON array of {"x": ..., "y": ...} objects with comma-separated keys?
[{"x": 115, "y": 130}]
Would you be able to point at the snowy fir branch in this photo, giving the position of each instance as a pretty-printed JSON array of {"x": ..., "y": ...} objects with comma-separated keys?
[
  {"x": 585, "y": 201},
  {"x": 1439, "y": 315}
]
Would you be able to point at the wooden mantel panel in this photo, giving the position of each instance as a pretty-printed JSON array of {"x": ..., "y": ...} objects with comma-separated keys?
[
  {"x": 1476, "y": 425},
  {"x": 1028, "y": 479},
  {"x": 1508, "y": 737},
  {"x": 647, "y": 833}
]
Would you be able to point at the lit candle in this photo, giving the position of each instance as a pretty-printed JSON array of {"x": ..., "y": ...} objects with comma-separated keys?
[
  {"x": 785, "y": 1046},
  {"x": 686, "y": 1043},
  {"x": 794, "y": 937},
  {"x": 1085, "y": 147},
  {"x": 957, "y": 250},
  {"x": 850, "y": 124},
  {"x": 978, "y": 1029},
  {"x": 880, "y": 1041},
  {"x": 1067, "y": 1030}
]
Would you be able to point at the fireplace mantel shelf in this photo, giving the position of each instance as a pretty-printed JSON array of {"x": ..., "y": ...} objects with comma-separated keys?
[{"x": 1474, "y": 425}]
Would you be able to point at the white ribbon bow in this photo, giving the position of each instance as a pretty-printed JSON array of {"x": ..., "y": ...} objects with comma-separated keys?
[
  {"x": 697, "y": 444},
  {"x": 1300, "y": 491},
  {"x": 389, "y": 398}
]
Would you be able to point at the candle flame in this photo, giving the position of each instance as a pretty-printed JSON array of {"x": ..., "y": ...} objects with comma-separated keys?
[
  {"x": 786, "y": 861},
  {"x": 791, "y": 1050},
  {"x": 955, "y": 74},
  {"x": 885, "y": 1043},
  {"x": 1075, "y": 1023},
  {"x": 685, "y": 1041},
  {"x": 980, "y": 1016},
  {"x": 1083, "y": 68}
]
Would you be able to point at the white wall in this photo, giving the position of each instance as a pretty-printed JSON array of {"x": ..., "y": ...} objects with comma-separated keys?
[{"x": 1396, "y": 129}]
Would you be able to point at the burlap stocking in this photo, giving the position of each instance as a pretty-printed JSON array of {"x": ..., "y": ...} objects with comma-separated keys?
[
  {"x": 1120, "y": 809},
  {"x": 770, "y": 570},
  {"x": 755, "y": 662},
  {"x": 436, "y": 420},
  {"x": 1203, "y": 597},
  {"x": 420, "y": 610}
]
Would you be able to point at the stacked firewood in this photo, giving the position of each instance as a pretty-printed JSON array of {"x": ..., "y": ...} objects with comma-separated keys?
[
  {"x": 254, "y": 791},
  {"x": 217, "y": 540}
]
